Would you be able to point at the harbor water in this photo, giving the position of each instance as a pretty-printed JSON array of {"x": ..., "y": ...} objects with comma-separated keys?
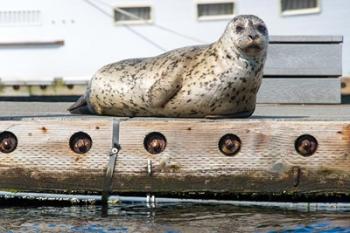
[{"x": 174, "y": 218}]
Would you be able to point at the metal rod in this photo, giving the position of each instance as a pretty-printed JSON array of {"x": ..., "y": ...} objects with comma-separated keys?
[{"x": 303, "y": 206}]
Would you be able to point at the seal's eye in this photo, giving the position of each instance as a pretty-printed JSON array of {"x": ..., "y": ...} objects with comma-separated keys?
[
  {"x": 239, "y": 28},
  {"x": 261, "y": 28}
]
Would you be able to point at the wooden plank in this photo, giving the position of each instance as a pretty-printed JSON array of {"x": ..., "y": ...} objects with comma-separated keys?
[
  {"x": 15, "y": 109},
  {"x": 300, "y": 91},
  {"x": 304, "y": 60},
  {"x": 301, "y": 112},
  {"x": 191, "y": 162},
  {"x": 43, "y": 159},
  {"x": 58, "y": 111}
]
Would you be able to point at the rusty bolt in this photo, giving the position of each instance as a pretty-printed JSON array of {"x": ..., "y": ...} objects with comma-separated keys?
[
  {"x": 306, "y": 145},
  {"x": 8, "y": 142},
  {"x": 80, "y": 143},
  {"x": 155, "y": 143},
  {"x": 43, "y": 87},
  {"x": 16, "y": 87},
  {"x": 230, "y": 144},
  {"x": 296, "y": 172},
  {"x": 70, "y": 86},
  {"x": 343, "y": 84}
]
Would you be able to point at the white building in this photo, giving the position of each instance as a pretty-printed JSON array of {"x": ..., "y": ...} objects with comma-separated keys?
[{"x": 73, "y": 38}]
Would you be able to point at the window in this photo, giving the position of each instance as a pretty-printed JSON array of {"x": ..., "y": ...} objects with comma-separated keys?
[
  {"x": 215, "y": 10},
  {"x": 295, "y": 7},
  {"x": 20, "y": 17},
  {"x": 131, "y": 15}
]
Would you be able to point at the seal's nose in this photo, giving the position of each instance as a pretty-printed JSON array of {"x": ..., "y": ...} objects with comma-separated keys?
[{"x": 253, "y": 36}]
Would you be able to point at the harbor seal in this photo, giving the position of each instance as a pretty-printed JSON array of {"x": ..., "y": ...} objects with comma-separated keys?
[{"x": 216, "y": 80}]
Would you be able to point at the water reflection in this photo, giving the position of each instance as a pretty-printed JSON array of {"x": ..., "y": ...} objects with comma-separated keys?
[{"x": 169, "y": 219}]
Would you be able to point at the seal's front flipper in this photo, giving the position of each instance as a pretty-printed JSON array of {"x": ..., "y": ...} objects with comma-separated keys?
[
  {"x": 80, "y": 107},
  {"x": 236, "y": 115},
  {"x": 163, "y": 90}
]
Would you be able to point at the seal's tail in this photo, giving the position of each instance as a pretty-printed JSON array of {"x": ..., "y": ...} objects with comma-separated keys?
[{"x": 80, "y": 107}]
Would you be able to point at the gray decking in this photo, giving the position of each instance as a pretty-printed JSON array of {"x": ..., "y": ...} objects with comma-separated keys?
[{"x": 263, "y": 111}]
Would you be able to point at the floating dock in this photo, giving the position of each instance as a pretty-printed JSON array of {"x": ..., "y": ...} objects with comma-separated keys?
[
  {"x": 289, "y": 150},
  {"x": 296, "y": 146}
]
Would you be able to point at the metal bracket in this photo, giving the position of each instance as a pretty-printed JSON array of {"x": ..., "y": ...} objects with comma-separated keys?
[
  {"x": 150, "y": 201},
  {"x": 107, "y": 185},
  {"x": 296, "y": 173},
  {"x": 149, "y": 167}
]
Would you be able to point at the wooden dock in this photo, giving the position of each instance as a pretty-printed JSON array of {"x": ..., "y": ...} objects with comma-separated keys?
[
  {"x": 280, "y": 150},
  {"x": 284, "y": 150}
]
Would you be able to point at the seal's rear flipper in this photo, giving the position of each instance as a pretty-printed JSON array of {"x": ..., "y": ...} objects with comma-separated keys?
[{"x": 80, "y": 107}]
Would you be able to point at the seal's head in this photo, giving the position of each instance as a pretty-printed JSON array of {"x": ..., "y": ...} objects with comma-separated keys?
[{"x": 249, "y": 35}]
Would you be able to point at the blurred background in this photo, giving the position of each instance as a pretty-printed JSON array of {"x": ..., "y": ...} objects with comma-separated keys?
[{"x": 65, "y": 41}]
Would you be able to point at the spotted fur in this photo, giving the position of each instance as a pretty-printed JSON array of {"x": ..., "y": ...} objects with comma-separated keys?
[{"x": 219, "y": 79}]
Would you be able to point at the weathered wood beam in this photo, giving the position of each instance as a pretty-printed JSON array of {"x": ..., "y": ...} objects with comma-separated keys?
[
  {"x": 43, "y": 159},
  {"x": 267, "y": 161}
]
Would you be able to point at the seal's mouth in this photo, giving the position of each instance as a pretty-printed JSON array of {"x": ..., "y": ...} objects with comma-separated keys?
[{"x": 253, "y": 48}]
